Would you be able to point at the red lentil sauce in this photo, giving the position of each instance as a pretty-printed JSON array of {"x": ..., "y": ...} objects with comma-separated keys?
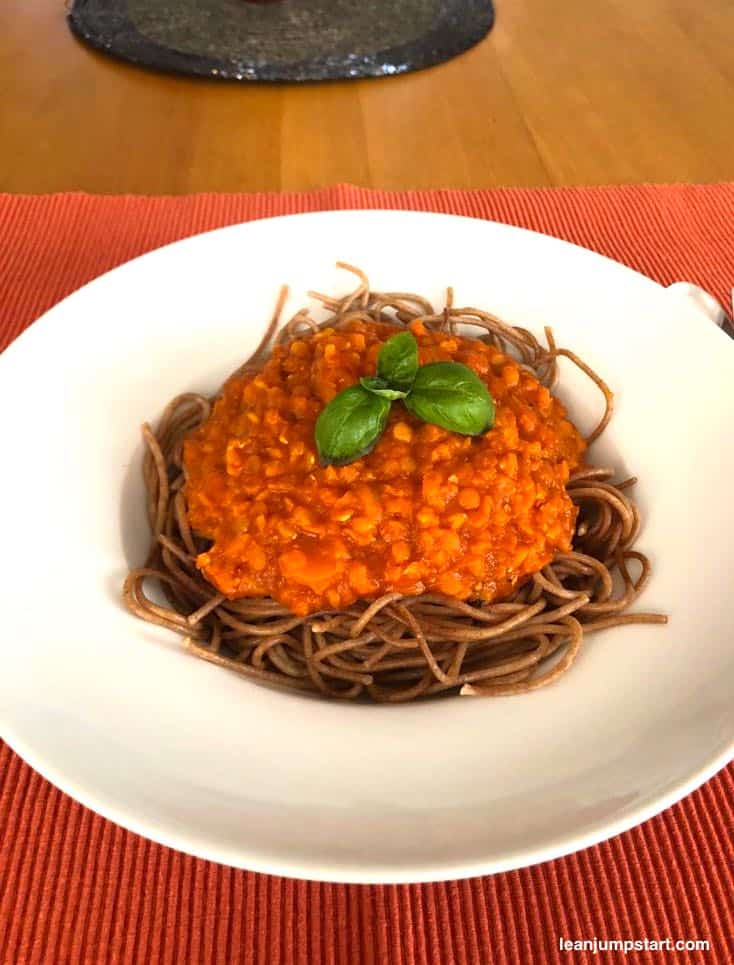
[{"x": 426, "y": 511}]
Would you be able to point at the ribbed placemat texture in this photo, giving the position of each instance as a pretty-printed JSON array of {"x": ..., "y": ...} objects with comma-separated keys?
[{"x": 75, "y": 888}]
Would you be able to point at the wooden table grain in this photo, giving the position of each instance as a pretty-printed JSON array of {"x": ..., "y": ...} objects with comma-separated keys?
[{"x": 579, "y": 92}]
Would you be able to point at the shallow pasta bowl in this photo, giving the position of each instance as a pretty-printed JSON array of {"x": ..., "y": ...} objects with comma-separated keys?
[{"x": 118, "y": 715}]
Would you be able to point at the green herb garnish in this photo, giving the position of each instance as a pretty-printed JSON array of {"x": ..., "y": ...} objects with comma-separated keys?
[{"x": 447, "y": 394}]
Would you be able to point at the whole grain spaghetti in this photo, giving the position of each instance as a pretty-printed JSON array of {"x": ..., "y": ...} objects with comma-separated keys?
[{"x": 397, "y": 646}]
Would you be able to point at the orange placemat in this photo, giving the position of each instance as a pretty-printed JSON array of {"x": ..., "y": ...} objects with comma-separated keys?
[{"x": 76, "y": 888}]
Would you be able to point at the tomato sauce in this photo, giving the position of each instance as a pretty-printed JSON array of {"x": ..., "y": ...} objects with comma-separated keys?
[{"x": 426, "y": 511}]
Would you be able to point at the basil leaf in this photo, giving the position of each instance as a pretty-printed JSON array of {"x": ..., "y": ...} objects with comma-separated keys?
[
  {"x": 397, "y": 362},
  {"x": 452, "y": 395},
  {"x": 378, "y": 386},
  {"x": 350, "y": 425}
]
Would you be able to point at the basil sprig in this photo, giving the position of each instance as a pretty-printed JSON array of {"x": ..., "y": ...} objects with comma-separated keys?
[{"x": 447, "y": 394}]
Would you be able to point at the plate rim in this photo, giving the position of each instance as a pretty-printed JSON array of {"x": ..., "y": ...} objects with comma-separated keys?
[
  {"x": 336, "y": 874},
  {"x": 42, "y": 319}
]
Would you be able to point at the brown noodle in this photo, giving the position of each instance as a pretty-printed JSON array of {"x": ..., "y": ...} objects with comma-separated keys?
[{"x": 397, "y": 648}]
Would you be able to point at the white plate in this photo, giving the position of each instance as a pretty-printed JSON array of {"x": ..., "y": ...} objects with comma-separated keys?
[{"x": 113, "y": 711}]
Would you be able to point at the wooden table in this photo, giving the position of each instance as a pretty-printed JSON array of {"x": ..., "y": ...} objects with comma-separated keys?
[{"x": 577, "y": 92}]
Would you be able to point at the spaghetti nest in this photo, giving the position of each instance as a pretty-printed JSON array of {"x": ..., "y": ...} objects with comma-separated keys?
[{"x": 397, "y": 648}]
